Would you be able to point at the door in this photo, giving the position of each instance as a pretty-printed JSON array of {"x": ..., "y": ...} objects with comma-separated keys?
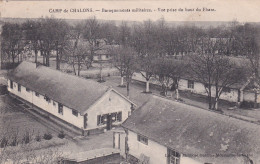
[
  {"x": 109, "y": 122},
  {"x": 116, "y": 140}
]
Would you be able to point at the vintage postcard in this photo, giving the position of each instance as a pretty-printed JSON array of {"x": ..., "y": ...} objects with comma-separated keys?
[{"x": 130, "y": 82}]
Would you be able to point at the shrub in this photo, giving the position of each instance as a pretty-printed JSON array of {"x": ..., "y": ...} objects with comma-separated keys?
[
  {"x": 38, "y": 137},
  {"x": 4, "y": 142},
  {"x": 47, "y": 136},
  {"x": 61, "y": 134},
  {"x": 27, "y": 137},
  {"x": 14, "y": 142}
]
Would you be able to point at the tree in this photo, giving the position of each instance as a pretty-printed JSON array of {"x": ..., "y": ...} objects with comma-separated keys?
[
  {"x": 125, "y": 60},
  {"x": 92, "y": 34},
  {"x": 32, "y": 35},
  {"x": 13, "y": 42},
  {"x": 168, "y": 72},
  {"x": 62, "y": 38},
  {"x": 145, "y": 43},
  {"x": 214, "y": 70}
]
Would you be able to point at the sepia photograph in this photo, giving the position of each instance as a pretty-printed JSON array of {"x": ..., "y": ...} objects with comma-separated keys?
[{"x": 130, "y": 82}]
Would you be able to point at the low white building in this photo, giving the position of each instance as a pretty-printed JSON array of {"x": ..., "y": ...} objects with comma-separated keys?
[
  {"x": 86, "y": 104},
  {"x": 243, "y": 91},
  {"x": 163, "y": 131}
]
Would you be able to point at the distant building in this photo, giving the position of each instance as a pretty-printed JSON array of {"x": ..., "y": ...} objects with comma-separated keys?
[
  {"x": 83, "y": 103},
  {"x": 103, "y": 53},
  {"x": 242, "y": 92},
  {"x": 167, "y": 132}
]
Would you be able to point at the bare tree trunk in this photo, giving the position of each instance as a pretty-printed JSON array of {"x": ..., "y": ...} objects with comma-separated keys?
[
  {"x": 36, "y": 55},
  {"x": 177, "y": 93},
  {"x": 48, "y": 59},
  {"x": 100, "y": 72},
  {"x": 78, "y": 68},
  {"x": 43, "y": 57},
  {"x": 57, "y": 60},
  {"x": 127, "y": 88},
  {"x": 216, "y": 104},
  {"x": 122, "y": 81},
  {"x": 147, "y": 86},
  {"x": 74, "y": 69}
]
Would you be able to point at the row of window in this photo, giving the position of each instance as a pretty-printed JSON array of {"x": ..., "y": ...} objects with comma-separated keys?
[
  {"x": 47, "y": 99},
  {"x": 102, "y": 119}
]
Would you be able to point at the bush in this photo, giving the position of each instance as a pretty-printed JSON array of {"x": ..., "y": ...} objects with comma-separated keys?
[
  {"x": 47, "y": 136},
  {"x": 61, "y": 134},
  {"x": 27, "y": 137},
  {"x": 4, "y": 142},
  {"x": 14, "y": 141},
  {"x": 38, "y": 138}
]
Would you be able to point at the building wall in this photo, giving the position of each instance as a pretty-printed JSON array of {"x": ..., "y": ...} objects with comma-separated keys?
[
  {"x": 111, "y": 102},
  {"x": 250, "y": 96},
  {"x": 50, "y": 107},
  {"x": 156, "y": 152},
  {"x": 103, "y": 57},
  {"x": 199, "y": 88}
]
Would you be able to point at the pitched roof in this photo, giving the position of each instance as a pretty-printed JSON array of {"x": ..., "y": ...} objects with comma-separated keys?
[
  {"x": 71, "y": 91},
  {"x": 192, "y": 130}
]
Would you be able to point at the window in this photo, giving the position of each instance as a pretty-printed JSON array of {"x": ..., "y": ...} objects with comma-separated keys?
[
  {"x": 190, "y": 84},
  {"x": 28, "y": 90},
  {"x": 101, "y": 119},
  {"x": 53, "y": 103},
  {"x": 37, "y": 94},
  {"x": 119, "y": 116},
  {"x": 75, "y": 113},
  {"x": 226, "y": 89},
  {"x": 113, "y": 116},
  {"x": 107, "y": 56},
  {"x": 173, "y": 157},
  {"x": 19, "y": 87},
  {"x": 60, "y": 109},
  {"x": 142, "y": 139},
  {"x": 98, "y": 119},
  {"x": 11, "y": 84}
]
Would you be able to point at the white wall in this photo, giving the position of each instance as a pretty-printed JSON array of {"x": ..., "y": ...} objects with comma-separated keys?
[
  {"x": 199, "y": 88},
  {"x": 155, "y": 151},
  {"x": 249, "y": 96},
  {"x": 103, "y": 57},
  {"x": 47, "y": 106},
  {"x": 111, "y": 102}
]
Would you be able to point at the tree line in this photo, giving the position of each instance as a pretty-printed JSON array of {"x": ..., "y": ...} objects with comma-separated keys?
[{"x": 152, "y": 48}]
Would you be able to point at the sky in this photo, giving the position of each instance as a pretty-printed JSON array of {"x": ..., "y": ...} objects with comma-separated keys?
[{"x": 222, "y": 10}]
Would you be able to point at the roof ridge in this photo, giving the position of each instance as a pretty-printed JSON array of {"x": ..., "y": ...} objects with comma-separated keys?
[{"x": 60, "y": 71}]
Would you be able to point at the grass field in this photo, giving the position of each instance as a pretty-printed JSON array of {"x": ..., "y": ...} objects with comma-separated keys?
[{"x": 15, "y": 121}]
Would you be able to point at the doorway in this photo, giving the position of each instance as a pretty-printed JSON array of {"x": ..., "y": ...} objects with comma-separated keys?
[{"x": 109, "y": 122}]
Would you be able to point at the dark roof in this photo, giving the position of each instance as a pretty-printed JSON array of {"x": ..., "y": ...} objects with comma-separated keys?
[
  {"x": 71, "y": 91},
  {"x": 192, "y": 130}
]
